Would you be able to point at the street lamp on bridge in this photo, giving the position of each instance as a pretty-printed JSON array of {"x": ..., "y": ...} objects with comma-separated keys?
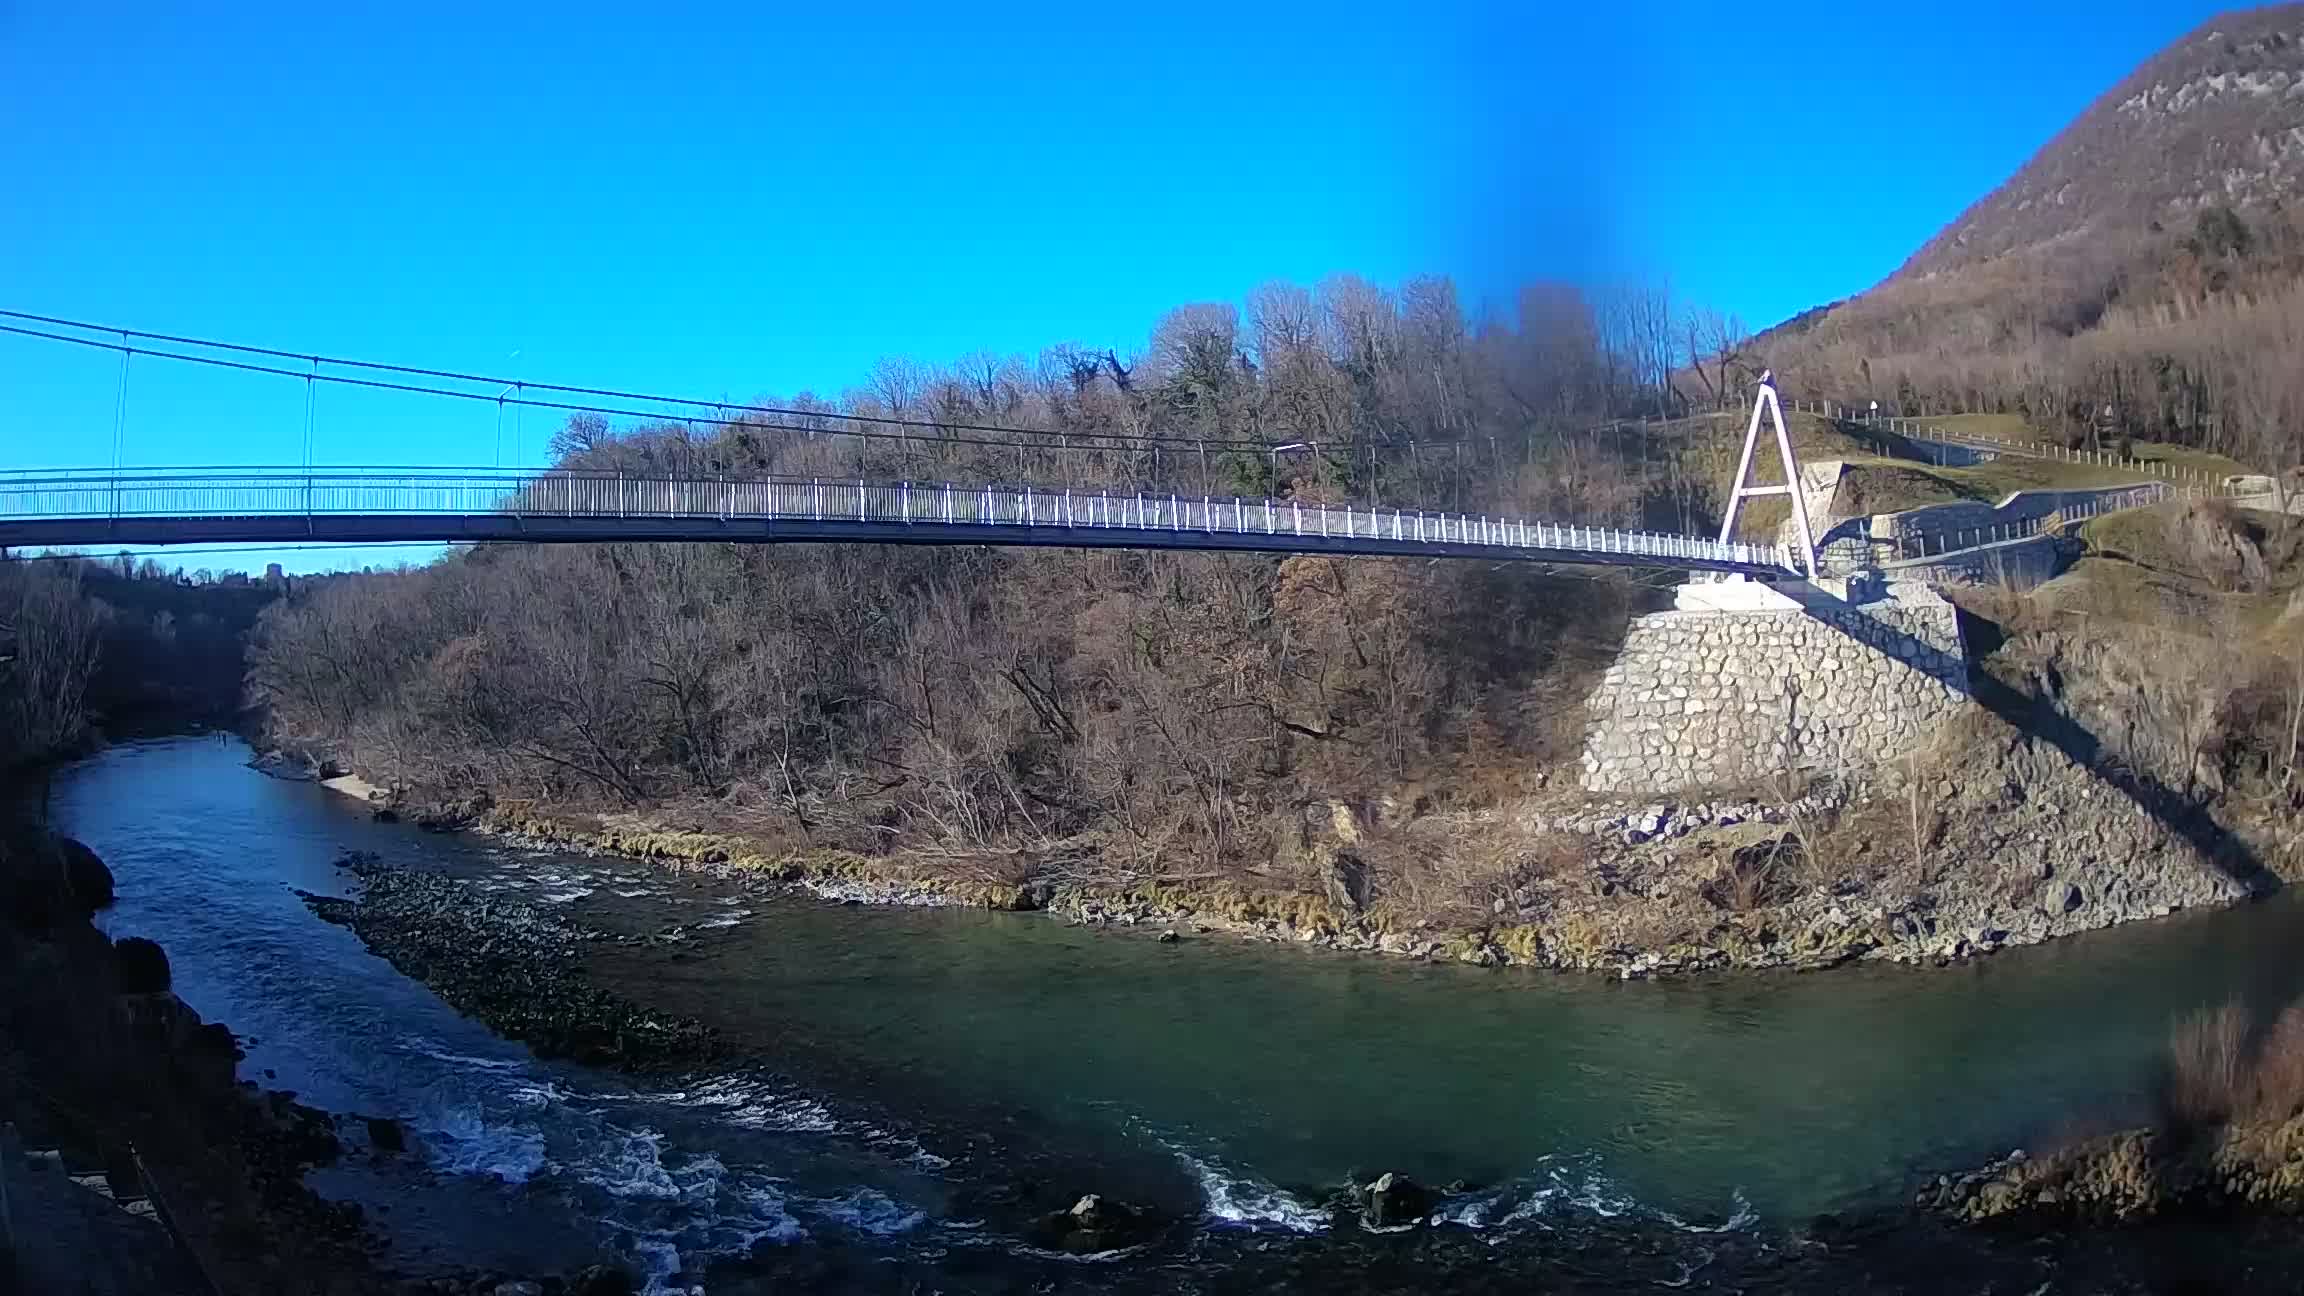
[{"x": 1279, "y": 449}]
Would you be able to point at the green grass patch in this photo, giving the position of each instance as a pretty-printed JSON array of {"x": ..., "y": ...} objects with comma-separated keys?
[
  {"x": 1885, "y": 473},
  {"x": 2012, "y": 427}
]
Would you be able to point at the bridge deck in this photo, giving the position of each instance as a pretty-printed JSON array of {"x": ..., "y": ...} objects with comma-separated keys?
[{"x": 177, "y": 506}]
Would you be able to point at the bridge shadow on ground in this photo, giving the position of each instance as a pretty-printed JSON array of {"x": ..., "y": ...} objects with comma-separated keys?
[{"x": 2035, "y": 715}]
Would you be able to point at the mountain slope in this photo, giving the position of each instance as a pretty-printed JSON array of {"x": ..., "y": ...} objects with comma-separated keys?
[
  {"x": 2216, "y": 119},
  {"x": 2142, "y": 276}
]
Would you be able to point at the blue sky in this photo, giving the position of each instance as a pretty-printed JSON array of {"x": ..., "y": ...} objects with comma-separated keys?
[{"x": 749, "y": 199}]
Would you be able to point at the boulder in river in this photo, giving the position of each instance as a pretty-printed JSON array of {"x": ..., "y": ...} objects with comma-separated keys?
[
  {"x": 1394, "y": 1201},
  {"x": 1094, "y": 1224}
]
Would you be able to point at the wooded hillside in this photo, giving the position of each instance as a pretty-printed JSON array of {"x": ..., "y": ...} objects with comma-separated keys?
[{"x": 1171, "y": 707}]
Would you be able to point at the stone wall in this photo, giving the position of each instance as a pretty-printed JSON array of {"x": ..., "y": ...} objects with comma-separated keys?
[{"x": 1722, "y": 698}]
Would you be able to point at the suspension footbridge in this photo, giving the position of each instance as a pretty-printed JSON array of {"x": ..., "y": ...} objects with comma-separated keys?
[
  {"x": 370, "y": 505},
  {"x": 90, "y": 507}
]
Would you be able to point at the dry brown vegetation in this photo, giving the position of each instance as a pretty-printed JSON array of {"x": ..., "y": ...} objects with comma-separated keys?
[
  {"x": 117, "y": 646},
  {"x": 2225, "y": 1069},
  {"x": 2175, "y": 642},
  {"x": 1135, "y": 716},
  {"x": 2231, "y": 1093},
  {"x": 2151, "y": 338}
]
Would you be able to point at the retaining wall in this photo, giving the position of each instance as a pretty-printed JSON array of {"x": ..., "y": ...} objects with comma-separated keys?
[{"x": 1702, "y": 699}]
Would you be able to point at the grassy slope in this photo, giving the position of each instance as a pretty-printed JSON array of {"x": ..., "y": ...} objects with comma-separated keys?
[
  {"x": 2012, "y": 427},
  {"x": 2139, "y": 570},
  {"x": 1886, "y": 474}
]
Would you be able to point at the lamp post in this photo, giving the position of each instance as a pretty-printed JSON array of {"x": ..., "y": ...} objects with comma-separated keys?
[{"x": 1280, "y": 449}]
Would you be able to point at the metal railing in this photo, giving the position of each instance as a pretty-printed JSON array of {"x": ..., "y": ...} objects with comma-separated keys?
[
  {"x": 826, "y": 503},
  {"x": 1952, "y": 540}
]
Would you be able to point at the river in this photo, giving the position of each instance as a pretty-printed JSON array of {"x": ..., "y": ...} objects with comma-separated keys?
[{"x": 932, "y": 1064}]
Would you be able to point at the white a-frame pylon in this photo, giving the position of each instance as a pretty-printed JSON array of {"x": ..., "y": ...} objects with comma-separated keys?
[{"x": 1765, "y": 402}]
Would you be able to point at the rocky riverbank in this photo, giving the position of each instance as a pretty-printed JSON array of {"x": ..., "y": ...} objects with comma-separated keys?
[
  {"x": 1993, "y": 839},
  {"x": 104, "y": 1070},
  {"x": 510, "y": 964},
  {"x": 1389, "y": 1234}
]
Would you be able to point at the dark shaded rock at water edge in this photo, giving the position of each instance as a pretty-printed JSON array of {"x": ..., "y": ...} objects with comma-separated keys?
[
  {"x": 47, "y": 879},
  {"x": 386, "y": 1135},
  {"x": 143, "y": 966},
  {"x": 602, "y": 1280},
  {"x": 86, "y": 877},
  {"x": 1395, "y": 1200},
  {"x": 1094, "y": 1224}
]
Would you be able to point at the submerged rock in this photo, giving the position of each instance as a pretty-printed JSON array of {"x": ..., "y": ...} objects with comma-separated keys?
[
  {"x": 602, "y": 1280},
  {"x": 386, "y": 1135}
]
